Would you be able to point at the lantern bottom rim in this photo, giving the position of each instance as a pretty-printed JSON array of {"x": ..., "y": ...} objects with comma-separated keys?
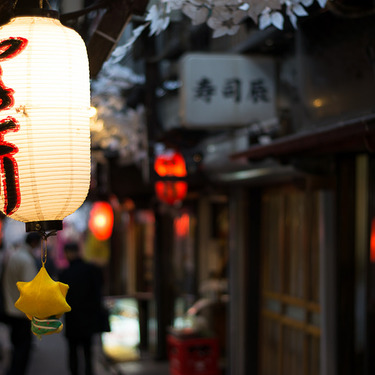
[{"x": 44, "y": 226}]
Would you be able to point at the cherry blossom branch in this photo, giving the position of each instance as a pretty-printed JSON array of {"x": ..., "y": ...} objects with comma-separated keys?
[{"x": 224, "y": 16}]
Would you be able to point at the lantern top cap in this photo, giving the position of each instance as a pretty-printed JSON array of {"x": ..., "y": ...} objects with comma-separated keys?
[{"x": 37, "y": 12}]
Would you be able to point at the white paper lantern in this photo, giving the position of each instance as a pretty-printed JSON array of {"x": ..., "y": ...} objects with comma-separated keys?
[{"x": 45, "y": 100}]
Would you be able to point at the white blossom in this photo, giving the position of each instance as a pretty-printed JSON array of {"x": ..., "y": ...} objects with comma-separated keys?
[
  {"x": 120, "y": 52},
  {"x": 299, "y": 10},
  {"x": 269, "y": 17},
  {"x": 256, "y": 7},
  {"x": 245, "y": 7},
  {"x": 294, "y": 9},
  {"x": 222, "y": 22},
  {"x": 197, "y": 2},
  {"x": 227, "y": 3},
  {"x": 215, "y": 13},
  {"x": 173, "y": 4},
  {"x": 197, "y": 14},
  {"x": 238, "y": 16},
  {"x": 159, "y": 19}
]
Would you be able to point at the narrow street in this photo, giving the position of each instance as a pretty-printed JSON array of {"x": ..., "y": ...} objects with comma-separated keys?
[{"x": 50, "y": 357}]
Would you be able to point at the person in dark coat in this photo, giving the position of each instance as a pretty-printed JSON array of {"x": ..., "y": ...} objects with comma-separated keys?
[
  {"x": 84, "y": 297},
  {"x": 19, "y": 265}
]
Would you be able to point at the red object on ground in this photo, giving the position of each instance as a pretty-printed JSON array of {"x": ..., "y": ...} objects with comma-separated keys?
[{"x": 193, "y": 356}]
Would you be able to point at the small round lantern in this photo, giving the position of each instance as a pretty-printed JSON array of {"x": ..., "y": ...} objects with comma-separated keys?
[
  {"x": 44, "y": 120},
  {"x": 101, "y": 220},
  {"x": 171, "y": 192},
  {"x": 170, "y": 164}
]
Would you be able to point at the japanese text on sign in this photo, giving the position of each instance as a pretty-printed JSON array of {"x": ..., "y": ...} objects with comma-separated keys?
[
  {"x": 226, "y": 90},
  {"x": 257, "y": 90}
]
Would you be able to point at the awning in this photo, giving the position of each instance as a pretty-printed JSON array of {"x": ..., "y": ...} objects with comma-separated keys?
[{"x": 355, "y": 135}]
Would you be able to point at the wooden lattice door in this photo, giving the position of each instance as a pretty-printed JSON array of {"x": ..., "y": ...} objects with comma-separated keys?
[{"x": 290, "y": 332}]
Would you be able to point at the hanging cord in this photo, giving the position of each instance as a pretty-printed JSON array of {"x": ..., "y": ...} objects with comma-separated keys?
[
  {"x": 43, "y": 251},
  {"x": 99, "y": 5},
  {"x": 41, "y": 4},
  {"x": 43, "y": 245}
]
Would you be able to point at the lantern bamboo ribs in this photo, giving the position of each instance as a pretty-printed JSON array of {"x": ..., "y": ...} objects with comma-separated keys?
[{"x": 45, "y": 94}]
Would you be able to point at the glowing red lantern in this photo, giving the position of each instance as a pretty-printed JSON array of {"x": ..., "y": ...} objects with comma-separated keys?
[
  {"x": 167, "y": 165},
  {"x": 182, "y": 225},
  {"x": 170, "y": 164},
  {"x": 101, "y": 220},
  {"x": 171, "y": 192}
]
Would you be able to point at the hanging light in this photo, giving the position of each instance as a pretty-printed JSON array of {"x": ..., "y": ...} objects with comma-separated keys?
[
  {"x": 170, "y": 164},
  {"x": 171, "y": 192},
  {"x": 171, "y": 167},
  {"x": 44, "y": 120},
  {"x": 101, "y": 220}
]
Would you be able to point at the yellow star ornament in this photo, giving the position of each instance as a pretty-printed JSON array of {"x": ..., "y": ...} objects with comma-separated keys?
[{"x": 42, "y": 298}]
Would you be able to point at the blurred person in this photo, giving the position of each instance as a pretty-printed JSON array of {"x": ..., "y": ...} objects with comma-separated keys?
[
  {"x": 19, "y": 265},
  {"x": 84, "y": 297}
]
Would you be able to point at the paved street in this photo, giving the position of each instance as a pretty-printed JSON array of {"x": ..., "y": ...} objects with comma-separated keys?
[{"x": 50, "y": 357}]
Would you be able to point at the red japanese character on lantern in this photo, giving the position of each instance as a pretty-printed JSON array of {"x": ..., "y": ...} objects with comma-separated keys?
[{"x": 8, "y": 166}]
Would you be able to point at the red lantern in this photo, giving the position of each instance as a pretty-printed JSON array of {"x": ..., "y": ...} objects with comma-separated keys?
[
  {"x": 171, "y": 192},
  {"x": 101, "y": 220},
  {"x": 170, "y": 164},
  {"x": 182, "y": 225}
]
